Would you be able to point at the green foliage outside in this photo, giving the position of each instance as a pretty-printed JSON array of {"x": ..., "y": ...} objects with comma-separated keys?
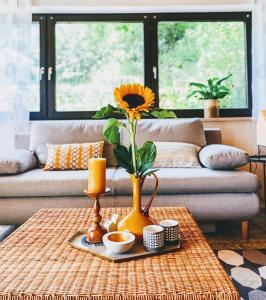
[
  {"x": 93, "y": 58},
  {"x": 195, "y": 52}
]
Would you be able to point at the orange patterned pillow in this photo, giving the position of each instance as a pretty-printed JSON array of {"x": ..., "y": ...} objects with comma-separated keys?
[{"x": 72, "y": 156}]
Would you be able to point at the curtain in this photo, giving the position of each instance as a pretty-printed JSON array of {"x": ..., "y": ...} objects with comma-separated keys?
[
  {"x": 259, "y": 57},
  {"x": 15, "y": 33}
]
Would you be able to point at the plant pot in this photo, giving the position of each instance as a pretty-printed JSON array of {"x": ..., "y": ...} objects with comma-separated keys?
[
  {"x": 137, "y": 219},
  {"x": 211, "y": 108}
]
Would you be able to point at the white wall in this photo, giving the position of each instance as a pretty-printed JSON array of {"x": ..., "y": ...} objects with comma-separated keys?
[
  {"x": 136, "y": 2},
  {"x": 238, "y": 132}
]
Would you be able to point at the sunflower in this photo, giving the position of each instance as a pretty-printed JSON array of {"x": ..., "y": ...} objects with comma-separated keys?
[{"x": 133, "y": 99}]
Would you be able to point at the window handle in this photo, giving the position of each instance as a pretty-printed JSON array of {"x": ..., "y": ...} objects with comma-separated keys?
[
  {"x": 154, "y": 70},
  {"x": 50, "y": 73},
  {"x": 41, "y": 73}
]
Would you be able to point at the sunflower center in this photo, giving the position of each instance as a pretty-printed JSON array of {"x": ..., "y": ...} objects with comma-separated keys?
[{"x": 133, "y": 100}]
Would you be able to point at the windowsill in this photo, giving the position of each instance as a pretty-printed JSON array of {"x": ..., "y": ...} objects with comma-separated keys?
[{"x": 233, "y": 119}]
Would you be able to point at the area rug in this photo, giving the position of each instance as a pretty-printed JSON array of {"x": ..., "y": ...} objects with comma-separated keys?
[
  {"x": 6, "y": 230},
  {"x": 247, "y": 269}
]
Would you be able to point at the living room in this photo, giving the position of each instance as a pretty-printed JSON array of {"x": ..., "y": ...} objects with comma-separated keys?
[{"x": 132, "y": 149}]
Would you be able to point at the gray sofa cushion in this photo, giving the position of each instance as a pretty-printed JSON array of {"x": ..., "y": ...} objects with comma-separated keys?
[
  {"x": 223, "y": 157},
  {"x": 54, "y": 183},
  {"x": 16, "y": 161},
  {"x": 188, "y": 181},
  {"x": 68, "y": 132},
  {"x": 169, "y": 130},
  {"x": 203, "y": 207}
]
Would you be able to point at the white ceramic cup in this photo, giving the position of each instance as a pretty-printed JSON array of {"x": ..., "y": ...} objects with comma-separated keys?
[
  {"x": 153, "y": 237},
  {"x": 171, "y": 231}
]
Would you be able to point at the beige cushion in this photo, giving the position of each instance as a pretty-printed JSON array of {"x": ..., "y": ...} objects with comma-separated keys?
[
  {"x": 38, "y": 183},
  {"x": 16, "y": 161},
  {"x": 172, "y": 155},
  {"x": 68, "y": 132},
  {"x": 168, "y": 130},
  {"x": 189, "y": 181}
]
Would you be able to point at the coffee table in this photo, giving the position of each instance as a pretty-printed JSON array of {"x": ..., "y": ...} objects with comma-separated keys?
[{"x": 37, "y": 263}]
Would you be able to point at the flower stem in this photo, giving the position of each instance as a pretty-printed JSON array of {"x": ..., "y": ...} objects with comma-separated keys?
[{"x": 133, "y": 145}]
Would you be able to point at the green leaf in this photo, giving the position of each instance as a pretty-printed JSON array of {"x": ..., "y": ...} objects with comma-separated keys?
[
  {"x": 149, "y": 172},
  {"x": 111, "y": 131},
  {"x": 105, "y": 111},
  {"x": 193, "y": 93},
  {"x": 197, "y": 84},
  {"x": 147, "y": 155},
  {"x": 204, "y": 95},
  {"x": 223, "y": 79},
  {"x": 210, "y": 83},
  {"x": 148, "y": 151},
  {"x": 163, "y": 114},
  {"x": 222, "y": 95},
  {"x": 123, "y": 158}
]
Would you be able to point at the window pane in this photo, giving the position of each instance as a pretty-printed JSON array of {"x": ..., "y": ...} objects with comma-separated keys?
[
  {"x": 94, "y": 57},
  {"x": 195, "y": 52},
  {"x": 34, "y": 100}
]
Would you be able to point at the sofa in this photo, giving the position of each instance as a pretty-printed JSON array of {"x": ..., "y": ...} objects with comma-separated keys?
[{"x": 210, "y": 195}]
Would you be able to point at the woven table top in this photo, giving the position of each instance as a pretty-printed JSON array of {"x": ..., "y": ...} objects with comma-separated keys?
[{"x": 37, "y": 263}]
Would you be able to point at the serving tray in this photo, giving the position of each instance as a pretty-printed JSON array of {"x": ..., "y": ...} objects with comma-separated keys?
[{"x": 78, "y": 241}]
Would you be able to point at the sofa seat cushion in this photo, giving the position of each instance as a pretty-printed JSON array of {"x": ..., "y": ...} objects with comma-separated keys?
[
  {"x": 187, "y": 181},
  {"x": 38, "y": 183}
]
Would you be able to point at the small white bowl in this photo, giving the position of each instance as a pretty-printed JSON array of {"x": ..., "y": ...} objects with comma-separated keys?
[{"x": 118, "y": 241}]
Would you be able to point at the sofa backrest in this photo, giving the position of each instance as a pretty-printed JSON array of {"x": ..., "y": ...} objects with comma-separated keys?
[
  {"x": 168, "y": 130},
  {"x": 182, "y": 130},
  {"x": 66, "y": 132}
]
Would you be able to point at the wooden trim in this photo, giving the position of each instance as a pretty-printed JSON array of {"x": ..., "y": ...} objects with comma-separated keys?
[{"x": 245, "y": 231}]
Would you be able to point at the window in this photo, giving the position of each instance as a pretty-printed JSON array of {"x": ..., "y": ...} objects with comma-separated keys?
[
  {"x": 195, "y": 52},
  {"x": 91, "y": 58},
  {"x": 83, "y": 57}
]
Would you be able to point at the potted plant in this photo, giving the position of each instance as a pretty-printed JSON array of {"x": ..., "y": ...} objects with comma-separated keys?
[
  {"x": 133, "y": 102},
  {"x": 210, "y": 92}
]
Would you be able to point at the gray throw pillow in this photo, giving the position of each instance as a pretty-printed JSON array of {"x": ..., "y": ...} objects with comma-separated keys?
[
  {"x": 223, "y": 157},
  {"x": 16, "y": 161}
]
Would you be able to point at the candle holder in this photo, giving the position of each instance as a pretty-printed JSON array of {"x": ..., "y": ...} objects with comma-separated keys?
[{"x": 96, "y": 231}]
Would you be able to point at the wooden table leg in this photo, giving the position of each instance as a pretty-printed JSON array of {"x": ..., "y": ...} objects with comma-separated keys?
[{"x": 244, "y": 225}]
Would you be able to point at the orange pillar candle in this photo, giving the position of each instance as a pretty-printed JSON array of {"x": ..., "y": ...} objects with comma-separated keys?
[{"x": 97, "y": 175}]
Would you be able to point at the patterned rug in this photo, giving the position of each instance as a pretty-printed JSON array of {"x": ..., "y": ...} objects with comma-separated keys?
[
  {"x": 5, "y": 231},
  {"x": 246, "y": 268}
]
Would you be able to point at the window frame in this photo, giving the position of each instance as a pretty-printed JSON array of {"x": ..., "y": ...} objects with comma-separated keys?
[
  {"x": 41, "y": 115},
  {"x": 245, "y": 17},
  {"x": 150, "y": 31}
]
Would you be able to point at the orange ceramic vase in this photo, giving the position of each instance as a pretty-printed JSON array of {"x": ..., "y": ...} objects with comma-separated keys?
[{"x": 137, "y": 219}]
